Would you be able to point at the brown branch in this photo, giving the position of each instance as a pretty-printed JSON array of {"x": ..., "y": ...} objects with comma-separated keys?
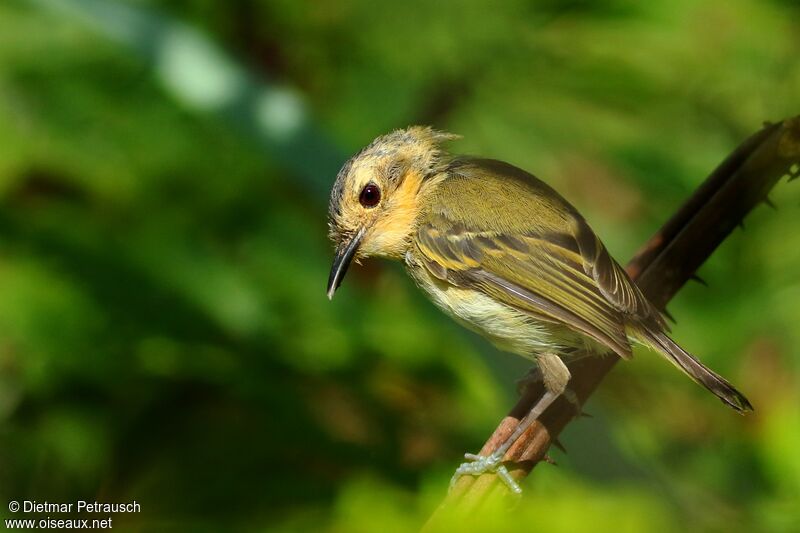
[{"x": 661, "y": 267}]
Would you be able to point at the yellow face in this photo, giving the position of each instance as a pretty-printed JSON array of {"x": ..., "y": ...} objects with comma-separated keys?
[
  {"x": 374, "y": 202},
  {"x": 379, "y": 205}
]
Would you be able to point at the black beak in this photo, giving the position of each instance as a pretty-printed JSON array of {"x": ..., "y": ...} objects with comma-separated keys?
[{"x": 344, "y": 255}]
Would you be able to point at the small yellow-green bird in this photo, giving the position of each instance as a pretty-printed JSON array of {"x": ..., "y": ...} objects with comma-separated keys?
[{"x": 503, "y": 254}]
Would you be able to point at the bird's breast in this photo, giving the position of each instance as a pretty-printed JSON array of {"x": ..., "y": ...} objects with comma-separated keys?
[{"x": 509, "y": 329}]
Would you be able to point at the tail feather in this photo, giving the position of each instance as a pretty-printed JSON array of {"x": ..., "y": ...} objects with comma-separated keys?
[{"x": 697, "y": 370}]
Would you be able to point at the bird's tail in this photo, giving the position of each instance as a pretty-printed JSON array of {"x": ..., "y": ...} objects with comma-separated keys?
[{"x": 695, "y": 369}]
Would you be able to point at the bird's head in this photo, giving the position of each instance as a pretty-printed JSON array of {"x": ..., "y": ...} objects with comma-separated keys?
[{"x": 375, "y": 199}]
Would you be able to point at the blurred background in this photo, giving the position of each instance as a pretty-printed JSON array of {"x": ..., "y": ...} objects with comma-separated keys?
[{"x": 164, "y": 331}]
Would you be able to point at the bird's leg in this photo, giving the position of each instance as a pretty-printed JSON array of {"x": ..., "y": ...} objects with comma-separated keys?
[
  {"x": 533, "y": 380},
  {"x": 555, "y": 375}
]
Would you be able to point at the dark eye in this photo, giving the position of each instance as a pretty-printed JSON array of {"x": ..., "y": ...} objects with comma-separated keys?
[{"x": 370, "y": 195}]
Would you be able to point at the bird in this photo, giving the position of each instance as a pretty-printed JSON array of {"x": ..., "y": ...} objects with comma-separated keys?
[{"x": 503, "y": 254}]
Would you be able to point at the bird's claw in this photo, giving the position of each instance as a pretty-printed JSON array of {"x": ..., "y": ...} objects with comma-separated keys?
[{"x": 481, "y": 464}]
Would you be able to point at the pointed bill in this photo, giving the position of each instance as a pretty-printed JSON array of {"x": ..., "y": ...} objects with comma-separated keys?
[{"x": 344, "y": 256}]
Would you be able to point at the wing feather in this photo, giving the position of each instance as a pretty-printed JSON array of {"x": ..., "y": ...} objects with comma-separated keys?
[
  {"x": 545, "y": 260},
  {"x": 528, "y": 272}
]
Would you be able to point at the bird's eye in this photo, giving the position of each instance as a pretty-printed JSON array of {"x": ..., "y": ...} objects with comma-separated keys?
[{"x": 370, "y": 195}]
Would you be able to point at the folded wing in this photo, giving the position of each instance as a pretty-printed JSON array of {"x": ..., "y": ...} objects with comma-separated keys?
[{"x": 555, "y": 269}]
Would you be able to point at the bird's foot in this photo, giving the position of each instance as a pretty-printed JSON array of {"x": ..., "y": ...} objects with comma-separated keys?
[{"x": 482, "y": 464}]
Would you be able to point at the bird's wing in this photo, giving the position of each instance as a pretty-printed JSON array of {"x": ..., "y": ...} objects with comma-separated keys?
[
  {"x": 535, "y": 255},
  {"x": 614, "y": 282}
]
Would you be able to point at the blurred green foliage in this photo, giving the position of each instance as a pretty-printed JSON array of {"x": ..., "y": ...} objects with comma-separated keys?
[{"x": 164, "y": 332}]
